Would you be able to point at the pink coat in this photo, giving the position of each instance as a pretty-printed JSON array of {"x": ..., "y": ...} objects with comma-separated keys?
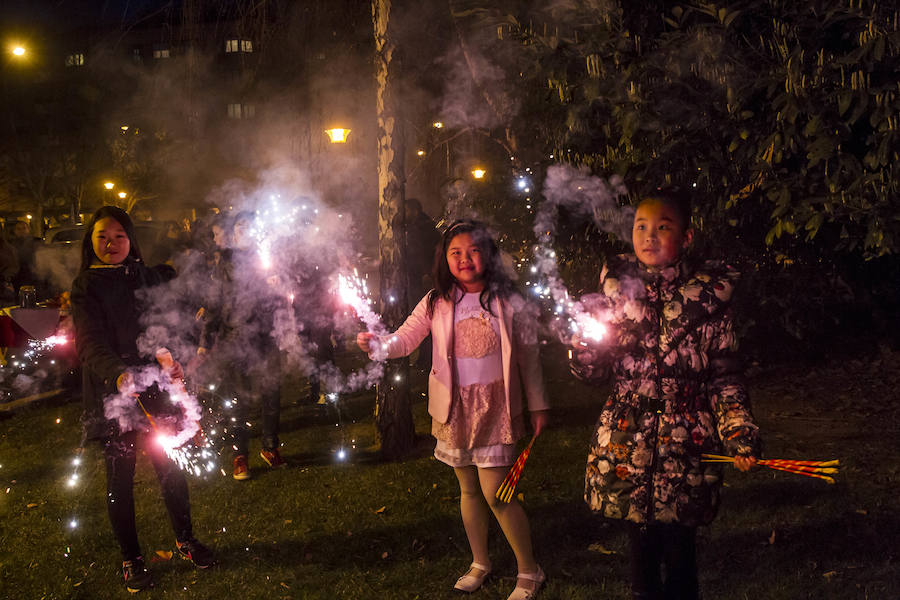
[{"x": 521, "y": 361}]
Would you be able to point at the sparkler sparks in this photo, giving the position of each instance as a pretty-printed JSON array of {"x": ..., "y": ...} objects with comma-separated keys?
[{"x": 354, "y": 293}]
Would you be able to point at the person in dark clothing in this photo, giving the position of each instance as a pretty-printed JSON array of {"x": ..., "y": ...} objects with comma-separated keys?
[
  {"x": 24, "y": 243},
  {"x": 106, "y": 316},
  {"x": 422, "y": 237},
  {"x": 237, "y": 334}
]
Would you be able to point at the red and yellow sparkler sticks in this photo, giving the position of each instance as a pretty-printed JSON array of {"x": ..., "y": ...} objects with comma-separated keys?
[
  {"x": 819, "y": 469},
  {"x": 508, "y": 487}
]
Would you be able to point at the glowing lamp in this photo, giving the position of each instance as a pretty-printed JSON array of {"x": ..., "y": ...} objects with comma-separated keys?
[
  {"x": 421, "y": 153},
  {"x": 124, "y": 127},
  {"x": 338, "y": 135},
  {"x": 109, "y": 185},
  {"x": 18, "y": 51},
  {"x": 28, "y": 217},
  {"x": 437, "y": 125},
  {"x": 478, "y": 173},
  {"x": 123, "y": 195}
]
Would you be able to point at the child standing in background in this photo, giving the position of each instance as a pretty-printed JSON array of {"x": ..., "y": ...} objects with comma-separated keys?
[
  {"x": 678, "y": 393},
  {"x": 484, "y": 352},
  {"x": 106, "y": 316}
]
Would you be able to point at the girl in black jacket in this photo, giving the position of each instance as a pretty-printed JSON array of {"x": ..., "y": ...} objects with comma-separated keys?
[{"x": 106, "y": 315}]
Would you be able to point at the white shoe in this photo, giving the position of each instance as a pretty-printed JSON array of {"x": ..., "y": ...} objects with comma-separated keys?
[
  {"x": 471, "y": 581},
  {"x": 536, "y": 580}
]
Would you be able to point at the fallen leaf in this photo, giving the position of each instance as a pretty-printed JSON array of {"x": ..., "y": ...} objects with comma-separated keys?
[
  {"x": 286, "y": 521},
  {"x": 285, "y": 586},
  {"x": 772, "y": 538},
  {"x": 32, "y": 505},
  {"x": 77, "y": 584},
  {"x": 829, "y": 575},
  {"x": 384, "y": 554},
  {"x": 161, "y": 556},
  {"x": 520, "y": 497},
  {"x": 861, "y": 511},
  {"x": 601, "y": 549},
  {"x": 381, "y": 510}
]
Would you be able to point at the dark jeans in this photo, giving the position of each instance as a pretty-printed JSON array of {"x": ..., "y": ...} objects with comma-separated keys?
[
  {"x": 324, "y": 353},
  {"x": 251, "y": 393},
  {"x": 663, "y": 546},
  {"x": 120, "y": 453}
]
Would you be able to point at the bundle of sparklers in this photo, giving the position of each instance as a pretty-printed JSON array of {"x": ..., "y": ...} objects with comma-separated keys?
[
  {"x": 508, "y": 487},
  {"x": 820, "y": 469}
]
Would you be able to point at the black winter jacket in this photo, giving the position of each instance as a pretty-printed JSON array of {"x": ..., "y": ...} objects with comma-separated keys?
[{"x": 106, "y": 314}]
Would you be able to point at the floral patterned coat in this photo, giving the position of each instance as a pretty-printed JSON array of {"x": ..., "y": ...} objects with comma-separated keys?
[{"x": 678, "y": 392}]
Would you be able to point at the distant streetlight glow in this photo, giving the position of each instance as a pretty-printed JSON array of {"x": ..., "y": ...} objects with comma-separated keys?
[
  {"x": 123, "y": 195},
  {"x": 478, "y": 173},
  {"x": 421, "y": 153},
  {"x": 338, "y": 135},
  {"x": 437, "y": 125},
  {"x": 29, "y": 217},
  {"x": 124, "y": 127},
  {"x": 109, "y": 185},
  {"x": 19, "y": 51}
]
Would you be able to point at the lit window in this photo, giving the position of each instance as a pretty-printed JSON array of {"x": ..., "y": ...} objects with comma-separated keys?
[
  {"x": 231, "y": 45},
  {"x": 75, "y": 60},
  {"x": 161, "y": 53},
  {"x": 246, "y": 46},
  {"x": 236, "y": 110}
]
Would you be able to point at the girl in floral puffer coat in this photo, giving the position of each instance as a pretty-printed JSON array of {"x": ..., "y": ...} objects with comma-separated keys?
[{"x": 678, "y": 393}]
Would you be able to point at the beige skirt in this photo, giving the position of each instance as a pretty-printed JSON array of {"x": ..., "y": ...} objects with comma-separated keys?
[{"x": 478, "y": 430}]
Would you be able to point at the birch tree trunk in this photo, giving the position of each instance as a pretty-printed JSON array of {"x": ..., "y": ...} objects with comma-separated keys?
[{"x": 393, "y": 411}]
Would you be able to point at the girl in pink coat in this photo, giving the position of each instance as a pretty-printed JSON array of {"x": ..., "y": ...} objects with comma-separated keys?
[{"x": 485, "y": 356}]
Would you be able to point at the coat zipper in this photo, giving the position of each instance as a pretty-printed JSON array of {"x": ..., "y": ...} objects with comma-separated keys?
[{"x": 656, "y": 410}]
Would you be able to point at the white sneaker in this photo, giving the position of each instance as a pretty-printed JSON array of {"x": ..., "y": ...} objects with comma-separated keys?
[
  {"x": 473, "y": 578},
  {"x": 533, "y": 581}
]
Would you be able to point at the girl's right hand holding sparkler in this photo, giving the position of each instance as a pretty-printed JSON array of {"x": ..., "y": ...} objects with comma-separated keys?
[
  {"x": 125, "y": 383},
  {"x": 364, "y": 341}
]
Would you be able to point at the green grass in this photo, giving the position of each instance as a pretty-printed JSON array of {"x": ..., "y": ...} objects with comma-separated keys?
[{"x": 368, "y": 529}]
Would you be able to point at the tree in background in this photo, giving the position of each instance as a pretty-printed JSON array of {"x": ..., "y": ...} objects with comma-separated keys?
[{"x": 781, "y": 117}]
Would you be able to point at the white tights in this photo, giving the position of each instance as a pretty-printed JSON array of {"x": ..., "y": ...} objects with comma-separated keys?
[{"x": 477, "y": 487}]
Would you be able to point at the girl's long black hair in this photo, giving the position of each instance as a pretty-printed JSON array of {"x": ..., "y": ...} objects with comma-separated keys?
[
  {"x": 87, "y": 247},
  {"x": 497, "y": 283}
]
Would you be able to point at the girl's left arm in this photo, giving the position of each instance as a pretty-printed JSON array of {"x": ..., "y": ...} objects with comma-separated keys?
[
  {"x": 727, "y": 393},
  {"x": 408, "y": 337}
]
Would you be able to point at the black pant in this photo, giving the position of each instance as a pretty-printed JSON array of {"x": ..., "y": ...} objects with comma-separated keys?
[
  {"x": 251, "y": 391},
  {"x": 663, "y": 545},
  {"x": 120, "y": 453}
]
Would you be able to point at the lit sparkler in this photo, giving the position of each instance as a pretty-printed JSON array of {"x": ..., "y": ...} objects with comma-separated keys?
[
  {"x": 188, "y": 447},
  {"x": 354, "y": 292}
]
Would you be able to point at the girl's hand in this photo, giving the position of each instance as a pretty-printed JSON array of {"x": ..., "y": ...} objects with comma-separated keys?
[
  {"x": 744, "y": 463},
  {"x": 175, "y": 372},
  {"x": 539, "y": 420},
  {"x": 577, "y": 341},
  {"x": 125, "y": 383},
  {"x": 364, "y": 341}
]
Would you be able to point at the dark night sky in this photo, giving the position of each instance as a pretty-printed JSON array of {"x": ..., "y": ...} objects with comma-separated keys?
[{"x": 68, "y": 13}]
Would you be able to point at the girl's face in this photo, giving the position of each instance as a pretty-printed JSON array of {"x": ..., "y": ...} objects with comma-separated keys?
[
  {"x": 658, "y": 235},
  {"x": 111, "y": 243},
  {"x": 466, "y": 261}
]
